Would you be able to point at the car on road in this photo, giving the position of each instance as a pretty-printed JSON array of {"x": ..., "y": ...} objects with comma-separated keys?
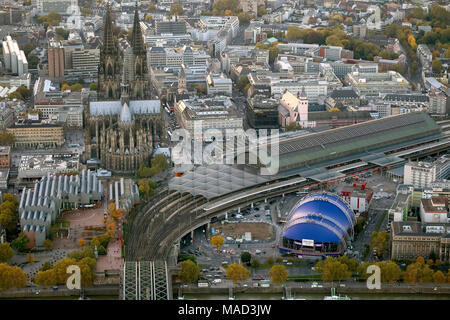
[{"x": 257, "y": 215}]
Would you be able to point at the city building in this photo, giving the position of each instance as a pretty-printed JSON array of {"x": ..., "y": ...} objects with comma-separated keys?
[
  {"x": 218, "y": 85},
  {"x": 262, "y": 112},
  {"x": 63, "y": 7},
  {"x": 40, "y": 207},
  {"x": 421, "y": 174},
  {"x": 5, "y": 157},
  {"x": 217, "y": 112},
  {"x": 15, "y": 60},
  {"x": 372, "y": 84},
  {"x": 36, "y": 134},
  {"x": 434, "y": 209},
  {"x": 33, "y": 167},
  {"x": 410, "y": 240},
  {"x": 319, "y": 225},
  {"x": 55, "y": 55},
  {"x": 172, "y": 27}
]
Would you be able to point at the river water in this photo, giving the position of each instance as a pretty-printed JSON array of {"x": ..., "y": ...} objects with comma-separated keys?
[{"x": 318, "y": 296}]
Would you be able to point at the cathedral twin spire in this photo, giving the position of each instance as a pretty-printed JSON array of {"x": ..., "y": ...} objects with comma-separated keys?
[{"x": 109, "y": 77}]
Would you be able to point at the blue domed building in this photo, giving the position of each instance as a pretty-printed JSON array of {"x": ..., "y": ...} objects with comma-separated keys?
[{"x": 320, "y": 224}]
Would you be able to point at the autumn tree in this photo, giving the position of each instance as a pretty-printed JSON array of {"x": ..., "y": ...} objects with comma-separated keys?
[
  {"x": 270, "y": 261},
  {"x": 255, "y": 263},
  {"x": 176, "y": 9},
  {"x": 418, "y": 272},
  {"x": 6, "y": 252},
  {"x": 217, "y": 241},
  {"x": 379, "y": 241},
  {"x": 6, "y": 139},
  {"x": 21, "y": 242},
  {"x": 46, "y": 278},
  {"x": 60, "y": 269},
  {"x": 30, "y": 257},
  {"x": 48, "y": 243},
  {"x": 111, "y": 208},
  {"x": 189, "y": 272},
  {"x": 436, "y": 65},
  {"x": 278, "y": 273},
  {"x": 81, "y": 242},
  {"x": 11, "y": 277},
  {"x": 439, "y": 277},
  {"x": 236, "y": 272},
  {"x": 117, "y": 214},
  {"x": 333, "y": 270}
]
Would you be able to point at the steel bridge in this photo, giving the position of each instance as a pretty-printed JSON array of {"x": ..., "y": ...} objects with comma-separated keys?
[{"x": 145, "y": 280}]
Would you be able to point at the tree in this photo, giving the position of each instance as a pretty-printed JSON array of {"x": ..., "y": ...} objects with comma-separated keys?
[
  {"x": 390, "y": 272},
  {"x": 78, "y": 255},
  {"x": 33, "y": 62},
  {"x": 293, "y": 126},
  {"x": 379, "y": 241},
  {"x": 91, "y": 262},
  {"x": 21, "y": 242},
  {"x": 278, "y": 273},
  {"x": 261, "y": 11},
  {"x": 28, "y": 48},
  {"x": 46, "y": 266},
  {"x": 46, "y": 278},
  {"x": 81, "y": 242},
  {"x": 176, "y": 9},
  {"x": 418, "y": 272},
  {"x": 217, "y": 241},
  {"x": 332, "y": 269},
  {"x": 62, "y": 34},
  {"x": 11, "y": 277},
  {"x": 273, "y": 53},
  {"x": 117, "y": 214},
  {"x": 246, "y": 257},
  {"x": 242, "y": 82},
  {"x": 6, "y": 139},
  {"x": 6, "y": 252},
  {"x": 351, "y": 263},
  {"x": 439, "y": 277},
  {"x": 236, "y": 272},
  {"x": 420, "y": 260},
  {"x": 93, "y": 86},
  {"x": 270, "y": 261},
  {"x": 436, "y": 65},
  {"x": 95, "y": 242},
  {"x": 24, "y": 92},
  {"x": 30, "y": 257},
  {"x": 48, "y": 243},
  {"x": 60, "y": 268},
  {"x": 255, "y": 263},
  {"x": 189, "y": 272},
  {"x": 110, "y": 208}
]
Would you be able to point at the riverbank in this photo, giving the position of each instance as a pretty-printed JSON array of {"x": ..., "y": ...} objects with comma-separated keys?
[
  {"x": 61, "y": 293},
  {"x": 325, "y": 289}
]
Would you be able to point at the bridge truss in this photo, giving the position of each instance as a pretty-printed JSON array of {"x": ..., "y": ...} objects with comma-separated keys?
[{"x": 145, "y": 280}]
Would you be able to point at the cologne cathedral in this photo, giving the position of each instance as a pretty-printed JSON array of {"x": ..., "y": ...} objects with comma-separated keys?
[{"x": 124, "y": 124}]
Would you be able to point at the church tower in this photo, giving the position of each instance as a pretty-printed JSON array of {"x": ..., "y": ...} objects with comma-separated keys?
[
  {"x": 109, "y": 67},
  {"x": 139, "y": 87}
]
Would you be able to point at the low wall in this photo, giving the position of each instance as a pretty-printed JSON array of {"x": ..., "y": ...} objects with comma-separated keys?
[{"x": 61, "y": 292}]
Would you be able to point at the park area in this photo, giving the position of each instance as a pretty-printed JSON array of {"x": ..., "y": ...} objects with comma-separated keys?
[{"x": 259, "y": 230}]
